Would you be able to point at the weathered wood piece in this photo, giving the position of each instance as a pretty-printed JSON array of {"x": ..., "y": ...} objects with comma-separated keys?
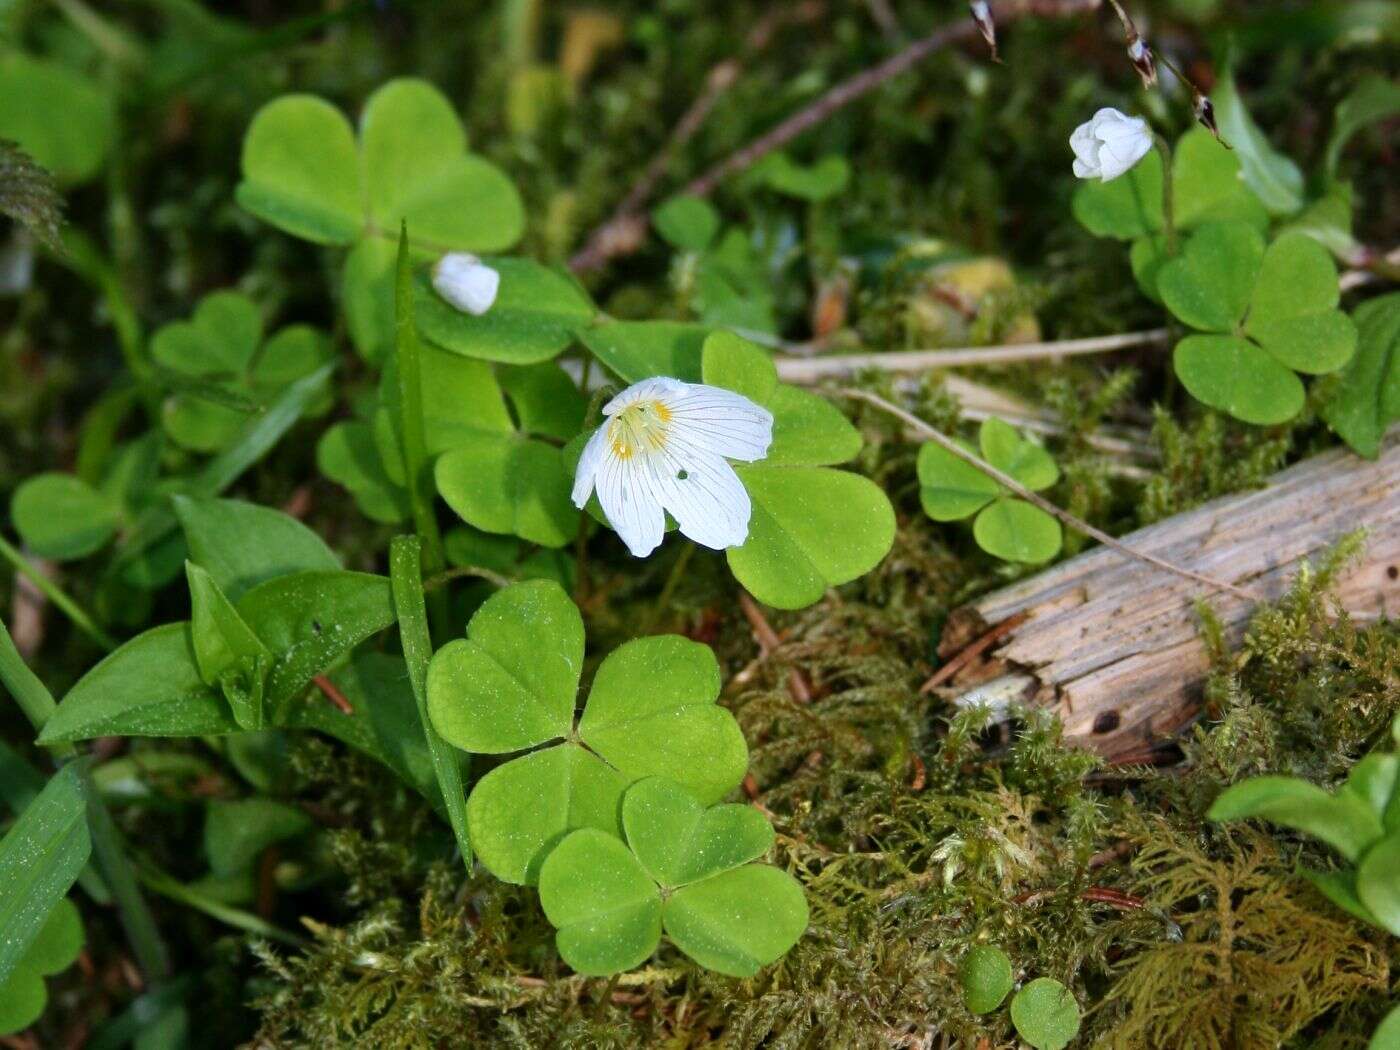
[{"x": 1113, "y": 644}]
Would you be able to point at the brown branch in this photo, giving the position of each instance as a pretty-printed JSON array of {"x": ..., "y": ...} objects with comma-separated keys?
[
  {"x": 970, "y": 652},
  {"x": 1033, "y": 498},
  {"x": 624, "y": 229},
  {"x": 600, "y": 248},
  {"x": 334, "y": 695}
]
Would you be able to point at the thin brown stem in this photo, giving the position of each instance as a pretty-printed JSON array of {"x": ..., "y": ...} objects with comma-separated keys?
[{"x": 1017, "y": 489}]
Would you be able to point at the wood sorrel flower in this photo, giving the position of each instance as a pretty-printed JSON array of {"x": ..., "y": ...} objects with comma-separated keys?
[
  {"x": 665, "y": 446},
  {"x": 1109, "y": 145},
  {"x": 466, "y": 282}
]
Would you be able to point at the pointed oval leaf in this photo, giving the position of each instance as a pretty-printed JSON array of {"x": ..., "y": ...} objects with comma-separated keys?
[
  {"x": 62, "y": 517},
  {"x": 1275, "y": 179},
  {"x": 679, "y": 841},
  {"x": 1378, "y": 882},
  {"x": 511, "y": 684},
  {"x": 1339, "y": 887},
  {"x": 1343, "y": 821},
  {"x": 520, "y": 811},
  {"x": 1013, "y": 530},
  {"x": 301, "y": 170},
  {"x": 1237, "y": 377},
  {"x": 739, "y": 921},
  {"x": 151, "y": 686},
  {"x": 607, "y": 910},
  {"x": 243, "y": 544},
  {"x": 229, "y": 655},
  {"x": 652, "y": 711},
  {"x": 812, "y": 528},
  {"x": 1373, "y": 780},
  {"x": 533, "y": 318}
]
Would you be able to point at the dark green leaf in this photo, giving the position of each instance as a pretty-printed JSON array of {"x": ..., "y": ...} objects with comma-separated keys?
[
  {"x": 1367, "y": 400},
  {"x": 245, "y": 544}
]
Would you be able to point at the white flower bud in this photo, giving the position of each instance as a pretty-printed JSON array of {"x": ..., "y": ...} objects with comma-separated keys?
[
  {"x": 466, "y": 282},
  {"x": 1109, "y": 145}
]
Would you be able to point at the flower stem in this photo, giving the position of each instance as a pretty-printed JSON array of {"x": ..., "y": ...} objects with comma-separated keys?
[
  {"x": 1168, "y": 201},
  {"x": 54, "y": 593},
  {"x": 414, "y": 431},
  {"x": 668, "y": 589}
]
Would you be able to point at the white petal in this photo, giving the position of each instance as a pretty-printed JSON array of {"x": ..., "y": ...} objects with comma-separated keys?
[
  {"x": 719, "y": 421},
  {"x": 466, "y": 282},
  {"x": 588, "y": 463},
  {"x": 658, "y": 388},
  {"x": 1084, "y": 171},
  {"x": 707, "y": 499},
  {"x": 633, "y": 509}
]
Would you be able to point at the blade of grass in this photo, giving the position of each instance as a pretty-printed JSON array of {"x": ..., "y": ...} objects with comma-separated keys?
[
  {"x": 56, "y": 594},
  {"x": 406, "y": 578}
]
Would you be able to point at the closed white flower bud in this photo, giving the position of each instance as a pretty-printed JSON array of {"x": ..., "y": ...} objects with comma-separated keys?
[
  {"x": 1109, "y": 145},
  {"x": 466, "y": 282}
]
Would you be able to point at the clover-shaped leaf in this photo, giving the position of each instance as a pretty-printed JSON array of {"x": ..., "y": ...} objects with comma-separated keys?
[
  {"x": 813, "y": 182},
  {"x": 687, "y": 871},
  {"x": 62, "y": 517},
  {"x": 1273, "y": 313},
  {"x": 511, "y": 685},
  {"x": 688, "y": 223},
  {"x": 304, "y": 171},
  {"x": 952, "y": 489},
  {"x": 58, "y": 116},
  {"x": 57, "y": 945},
  {"x": 229, "y": 369},
  {"x": 509, "y": 484}
]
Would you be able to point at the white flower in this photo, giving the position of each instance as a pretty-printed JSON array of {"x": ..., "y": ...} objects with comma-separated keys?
[
  {"x": 466, "y": 282},
  {"x": 1109, "y": 145},
  {"x": 664, "y": 447}
]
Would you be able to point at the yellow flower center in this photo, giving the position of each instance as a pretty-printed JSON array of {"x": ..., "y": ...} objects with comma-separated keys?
[{"x": 639, "y": 427}]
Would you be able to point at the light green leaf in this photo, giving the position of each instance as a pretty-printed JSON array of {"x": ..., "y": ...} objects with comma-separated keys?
[
  {"x": 511, "y": 683},
  {"x": 1367, "y": 400},
  {"x": 652, "y": 711},
  {"x": 236, "y": 833},
  {"x": 367, "y": 297},
  {"x": 1124, "y": 208},
  {"x": 301, "y": 170},
  {"x": 1274, "y": 178},
  {"x": 1004, "y": 448},
  {"x": 951, "y": 489},
  {"x": 1343, "y": 821},
  {"x": 23, "y": 998},
  {"x": 1373, "y": 781},
  {"x": 1339, "y": 887},
  {"x": 732, "y": 362},
  {"x": 1375, "y": 99},
  {"x": 310, "y": 620},
  {"x": 520, "y": 811},
  {"x": 985, "y": 975},
  {"x": 679, "y": 841},
  {"x": 607, "y": 910},
  {"x": 244, "y": 544},
  {"x": 533, "y": 318},
  {"x": 739, "y": 921},
  {"x": 1209, "y": 285},
  {"x": 817, "y": 181},
  {"x": 1237, "y": 377},
  {"x": 1293, "y": 312},
  {"x": 812, "y": 528},
  {"x": 61, "y": 517},
  {"x": 1045, "y": 1014},
  {"x": 228, "y": 653},
  {"x": 688, "y": 223},
  {"x": 637, "y": 350},
  {"x": 809, "y": 430},
  {"x": 348, "y": 455},
  {"x": 546, "y": 400},
  {"x": 40, "y": 858},
  {"x": 151, "y": 686},
  {"x": 1328, "y": 220},
  {"x": 1378, "y": 882},
  {"x": 1013, "y": 530},
  {"x": 220, "y": 337},
  {"x": 59, "y": 941},
  {"x": 59, "y": 117},
  {"x": 1209, "y": 185},
  {"x": 509, "y": 484}
]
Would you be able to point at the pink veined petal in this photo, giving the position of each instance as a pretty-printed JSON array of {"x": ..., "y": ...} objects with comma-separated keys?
[
  {"x": 633, "y": 510},
  {"x": 588, "y": 463},
  {"x": 707, "y": 499},
  {"x": 719, "y": 421}
]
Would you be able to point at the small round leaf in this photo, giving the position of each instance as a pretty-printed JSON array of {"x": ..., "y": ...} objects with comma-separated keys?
[
  {"x": 688, "y": 223},
  {"x": 985, "y": 974},
  {"x": 1045, "y": 1014},
  {"x": 22, "y": 1000},
  {"x": 62, "y": 517},
  {"x": 1013, "y": 530}
]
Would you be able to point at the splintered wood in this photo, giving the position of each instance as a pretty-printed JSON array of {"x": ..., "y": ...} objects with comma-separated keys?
[{"x": 1113, "y": 644}]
